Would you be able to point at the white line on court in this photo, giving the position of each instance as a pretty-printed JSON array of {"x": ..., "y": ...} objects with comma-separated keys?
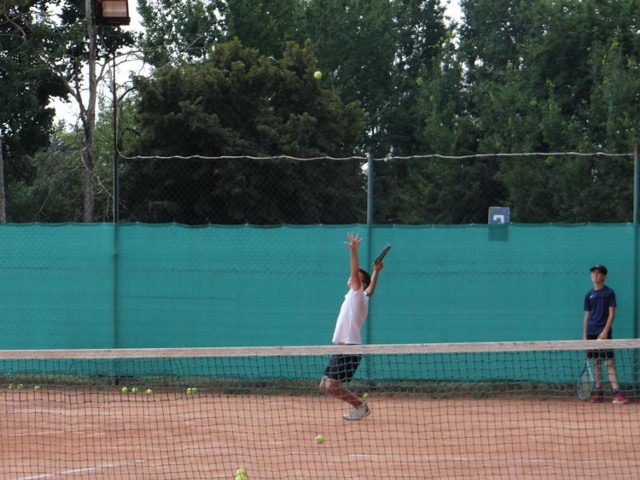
[{"x": 75, "y": 471}]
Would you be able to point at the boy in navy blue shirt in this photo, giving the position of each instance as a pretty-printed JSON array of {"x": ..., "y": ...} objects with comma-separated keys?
[{"x": 599, "y": 312}]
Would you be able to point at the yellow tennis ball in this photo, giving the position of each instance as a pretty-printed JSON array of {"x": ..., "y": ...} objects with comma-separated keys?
[
  {"x": 320, "y": 439},
  {"x": 124, "y": 389},
  {"x": 11, "y": 386},
  {"x": 20, "y": 386},
  {"x": 148, "y": 391},
  {"x": 194, "y": 389},
  {"x": 36, "y": 387},
  {"x": 189, "y": 391},
  {"x": 365, "y": 395},
  {"x": 241, "y": 471},
  {"x": 134, "y": 390},
  {"x": 317, "y": 75}
]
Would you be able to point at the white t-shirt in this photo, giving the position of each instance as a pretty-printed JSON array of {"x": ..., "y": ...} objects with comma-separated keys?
[{"x": 351, "y": 318}]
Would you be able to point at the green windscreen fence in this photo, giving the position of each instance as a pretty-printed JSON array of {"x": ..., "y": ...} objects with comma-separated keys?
[{"x": 136, "y": 286}]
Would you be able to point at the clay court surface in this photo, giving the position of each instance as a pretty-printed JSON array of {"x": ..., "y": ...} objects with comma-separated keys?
[{"x": 109, "y": 435}]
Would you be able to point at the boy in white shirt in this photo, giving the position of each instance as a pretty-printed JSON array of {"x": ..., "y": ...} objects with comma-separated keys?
[{"x": 352, "y": 315}]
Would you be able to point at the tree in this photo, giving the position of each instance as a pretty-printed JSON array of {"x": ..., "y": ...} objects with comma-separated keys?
[
  {"x": 422, "y": 60},
  {"x": 180, "y": 31},
  {"x": 239, "y": 103},
  {"x": 266, "y": 25},
  {"x": 53, "y": 193},
  {"x": 27, "y": 83},
  {"x": 47, "y": 46},
  {"x": 356, "y": 45},
  {"x": 555, "y": 76}
]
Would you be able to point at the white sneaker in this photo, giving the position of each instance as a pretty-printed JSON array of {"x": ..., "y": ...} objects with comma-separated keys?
[{"x": 358, "y": 413}]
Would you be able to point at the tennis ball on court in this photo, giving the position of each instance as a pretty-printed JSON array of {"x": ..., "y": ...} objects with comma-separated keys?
[
  {"x": 10, "y": 386},
  {"x": 365, "y": 395},
  {"x": 148, "y": 391},
  {"x": 317, "y": 75},
  {"x": 320, "y": 439},
  {"x": 124, "y": 389},
  {"x": 20, "y": 386},
  {"x": 189, "y": 391},
  {"x": 134, "y": 390},
  {"x": 36, "y": 387}
]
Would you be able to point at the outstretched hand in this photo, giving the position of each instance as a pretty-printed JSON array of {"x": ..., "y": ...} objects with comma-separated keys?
[{"x": 354, "y": 241}]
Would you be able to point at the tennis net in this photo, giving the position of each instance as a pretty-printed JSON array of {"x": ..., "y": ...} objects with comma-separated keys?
[{"x": 480, "y": 410}]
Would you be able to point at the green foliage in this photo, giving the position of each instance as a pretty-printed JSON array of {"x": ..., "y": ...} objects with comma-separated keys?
[
  {"x": 240, "y": 103},
  {"x": 43, "y": 54},
  {"x": 555, "y": 76},
  {"x": 234, "y": 77},
  {"x": 175, "y": 30},
  {"x": 365, "y": 29},
  {"x": 27, "y": 83},
  {"x": 53, "y": 191},
  {"x": 266, "y": 25}
]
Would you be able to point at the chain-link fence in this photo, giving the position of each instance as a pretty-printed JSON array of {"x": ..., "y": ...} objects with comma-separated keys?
[
  {"x": 430, "y": 189},
  {"x": 416, "y": 190}
]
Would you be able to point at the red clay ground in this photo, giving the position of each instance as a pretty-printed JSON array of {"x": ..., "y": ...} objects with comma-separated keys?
[{"x": 73, "y": 434}]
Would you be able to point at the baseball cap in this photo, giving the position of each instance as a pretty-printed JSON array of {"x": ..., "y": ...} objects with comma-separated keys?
[{"x": 601, "y": 268}]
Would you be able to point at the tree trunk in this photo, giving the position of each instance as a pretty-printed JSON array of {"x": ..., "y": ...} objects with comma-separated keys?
[{"x": 89, "y": 152}]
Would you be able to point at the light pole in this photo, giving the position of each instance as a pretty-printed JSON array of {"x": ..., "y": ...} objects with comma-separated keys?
[{"x": 113, "y": 13}]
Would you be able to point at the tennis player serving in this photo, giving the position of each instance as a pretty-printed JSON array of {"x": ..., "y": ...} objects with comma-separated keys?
[{"x": 348, "y": 328}]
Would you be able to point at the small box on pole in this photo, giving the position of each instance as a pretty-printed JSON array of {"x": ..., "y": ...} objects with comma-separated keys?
[{"x": 111, "y": 12}]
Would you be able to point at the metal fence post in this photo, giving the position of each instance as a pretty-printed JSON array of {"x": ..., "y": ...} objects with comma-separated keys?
[{"x": 636, "y": 221}]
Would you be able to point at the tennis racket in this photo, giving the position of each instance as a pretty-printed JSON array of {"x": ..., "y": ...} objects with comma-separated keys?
[
  {"x": 586, "y": 383},
  {"x": 382, "y": 254}
]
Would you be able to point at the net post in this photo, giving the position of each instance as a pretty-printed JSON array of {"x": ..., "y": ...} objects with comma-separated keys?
[
  {"x": 367, "y": 374},
  {"x": 3, "y": 198},
  {"x": 370, "y": 221},
  {"x": 370, "y": 188},
  {"x": 636, "y": 221},
  {"x": 636, "y": 260}
]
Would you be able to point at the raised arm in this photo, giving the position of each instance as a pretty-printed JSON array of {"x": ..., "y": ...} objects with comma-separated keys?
[
  {"x": 353, "y": 244},
  {"x": 374, "y": 278}
]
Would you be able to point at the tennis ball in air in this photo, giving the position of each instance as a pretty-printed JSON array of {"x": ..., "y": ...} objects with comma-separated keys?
[
  {"x": 148, "y": 391},
  {"x": 134, "y": 390},
  {"x": 317, "y": 75},
  {"x": 320, "y": 439},
  {"x": 365, "y": 395},
  {"x": 124, "y": 389}
]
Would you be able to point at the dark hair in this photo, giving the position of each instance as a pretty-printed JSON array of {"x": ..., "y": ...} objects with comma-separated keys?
[{"x": 367, "y": 277}]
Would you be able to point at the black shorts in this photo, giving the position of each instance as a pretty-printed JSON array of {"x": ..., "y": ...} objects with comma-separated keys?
[
  {"x": 342, "y": 367},
  {"x": 598, "y": 354}
]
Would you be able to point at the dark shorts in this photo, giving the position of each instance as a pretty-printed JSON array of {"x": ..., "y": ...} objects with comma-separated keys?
[
  {"x": 598, "y": 354},
  {"x": 342, "y": 367}
]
